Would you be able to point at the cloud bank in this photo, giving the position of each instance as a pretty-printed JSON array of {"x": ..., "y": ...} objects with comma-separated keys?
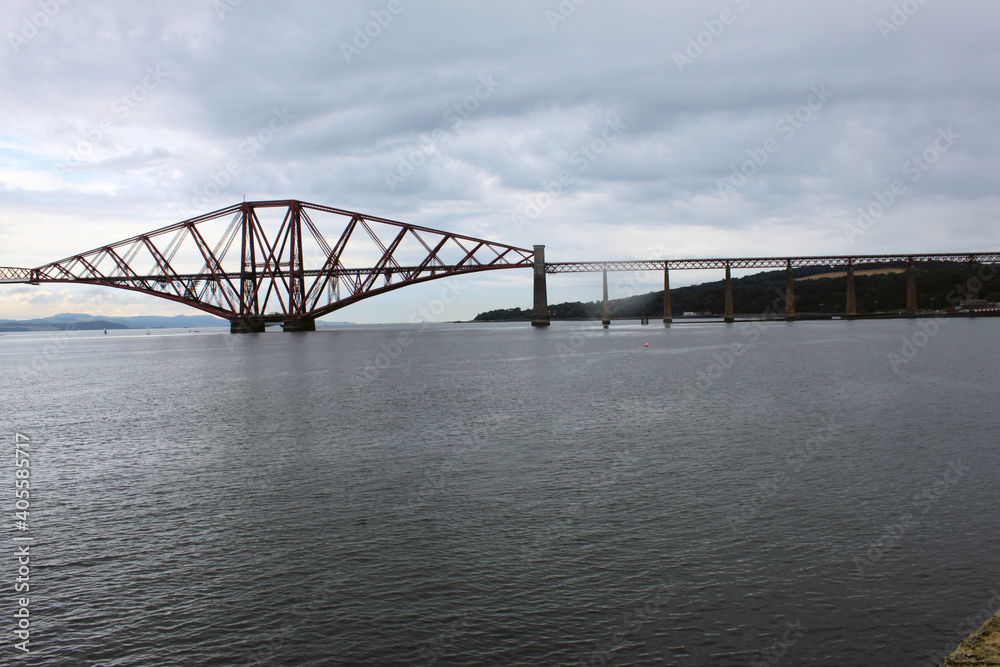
[{"x": 604, "y": 131}]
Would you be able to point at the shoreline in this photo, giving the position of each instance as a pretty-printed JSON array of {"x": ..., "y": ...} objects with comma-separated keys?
[
  {"x": 981, "y": 648},
  {"x": 773, "y": 318}
]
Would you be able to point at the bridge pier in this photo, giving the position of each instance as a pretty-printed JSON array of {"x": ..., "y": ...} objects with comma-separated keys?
[
  {"x": 606, "y": 311},
  {"x": 299, "y": 324},
  {"x": 789, "y": 292},
  {"x": 852, "y": 303},
  {"x": 246, "y": 325},
  {"x": 668, "y": 315},
  {"x": 540, "y": 311},
  {"x": 728, "y": 316},
  {"x": 972, "y": 285},
  {"x": 911, "y": 290}
]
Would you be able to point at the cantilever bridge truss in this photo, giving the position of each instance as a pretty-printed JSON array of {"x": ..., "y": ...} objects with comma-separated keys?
[
  {"x": 291, "y": 262},
  {"x": 276, "y": 261}
]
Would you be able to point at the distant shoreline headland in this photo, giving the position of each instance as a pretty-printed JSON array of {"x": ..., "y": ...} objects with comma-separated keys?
[{"x": 941, "y": 291}]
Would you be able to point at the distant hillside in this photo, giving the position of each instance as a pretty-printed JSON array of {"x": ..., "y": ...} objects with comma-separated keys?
[
  {"x": 175, "y": 322},
  {"x": 757, "y": 293},
  {"x": 84, "y": 322},
  {"x": 48, "y": 324}
]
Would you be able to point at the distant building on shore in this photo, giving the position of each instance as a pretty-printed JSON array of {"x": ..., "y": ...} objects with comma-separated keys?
[{"x": 978, "y": 306}]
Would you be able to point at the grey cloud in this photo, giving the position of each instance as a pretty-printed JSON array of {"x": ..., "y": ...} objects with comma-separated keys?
[{"x": 355, "y": 122}]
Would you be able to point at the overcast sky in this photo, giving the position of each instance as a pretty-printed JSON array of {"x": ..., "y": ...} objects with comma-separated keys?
[{"x": 680, "y": 129}]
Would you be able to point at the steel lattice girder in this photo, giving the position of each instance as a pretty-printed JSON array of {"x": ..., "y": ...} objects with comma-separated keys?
[
  {"x": 772, "y": 262},
  {"x": 14, "y": 274},
  {"x": 250, "y": 272}
]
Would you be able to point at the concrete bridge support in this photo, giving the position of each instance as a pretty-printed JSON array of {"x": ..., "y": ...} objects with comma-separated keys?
[
  {"x": 668, "y": 316},
  {"x": 606, "y": 312},
  {"x": 852, "y": 303},
  {"x": 911, "y": 290},
  {"x": 540, "y": 311},
  {"x": 299, "y": 324},
  {"x": 789, "y": 293},
  {"x": 972, "y": 284},
  {"x": 728, "y": 316},
  {"x": 246, "y": 326}
]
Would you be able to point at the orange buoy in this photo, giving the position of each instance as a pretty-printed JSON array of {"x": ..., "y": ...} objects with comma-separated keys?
[{"x": 647, "y": 344}]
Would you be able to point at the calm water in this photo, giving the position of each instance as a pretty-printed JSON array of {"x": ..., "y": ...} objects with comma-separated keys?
[{"x": 497, "y": 494}]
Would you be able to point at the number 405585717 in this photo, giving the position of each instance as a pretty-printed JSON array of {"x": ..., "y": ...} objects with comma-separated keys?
[{"x": 22, "y": 473}]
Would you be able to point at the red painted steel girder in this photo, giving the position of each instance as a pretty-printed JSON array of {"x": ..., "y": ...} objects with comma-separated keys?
[
  {"x": 14, "y": 274},
  {"x": 247, "y": 271},
  {"x": 772, "y": 262}
]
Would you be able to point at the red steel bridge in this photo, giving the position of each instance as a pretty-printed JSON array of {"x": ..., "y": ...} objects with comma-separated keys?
[
  {"x": 269, "y": 261},
  {"x": 277, "y": 261}
]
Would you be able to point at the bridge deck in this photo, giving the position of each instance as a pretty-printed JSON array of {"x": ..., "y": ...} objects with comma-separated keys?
[
  {"x": 771, "y": 262},
  {"x": 256, "y": 263},
  {"x": 10, "y": 274}
]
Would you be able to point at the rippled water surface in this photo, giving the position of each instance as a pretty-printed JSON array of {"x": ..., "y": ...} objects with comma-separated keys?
[{"x": 496, "y": 494}]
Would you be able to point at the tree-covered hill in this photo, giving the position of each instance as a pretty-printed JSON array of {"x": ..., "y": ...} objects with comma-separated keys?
[{"x": 938, "y": 287}]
